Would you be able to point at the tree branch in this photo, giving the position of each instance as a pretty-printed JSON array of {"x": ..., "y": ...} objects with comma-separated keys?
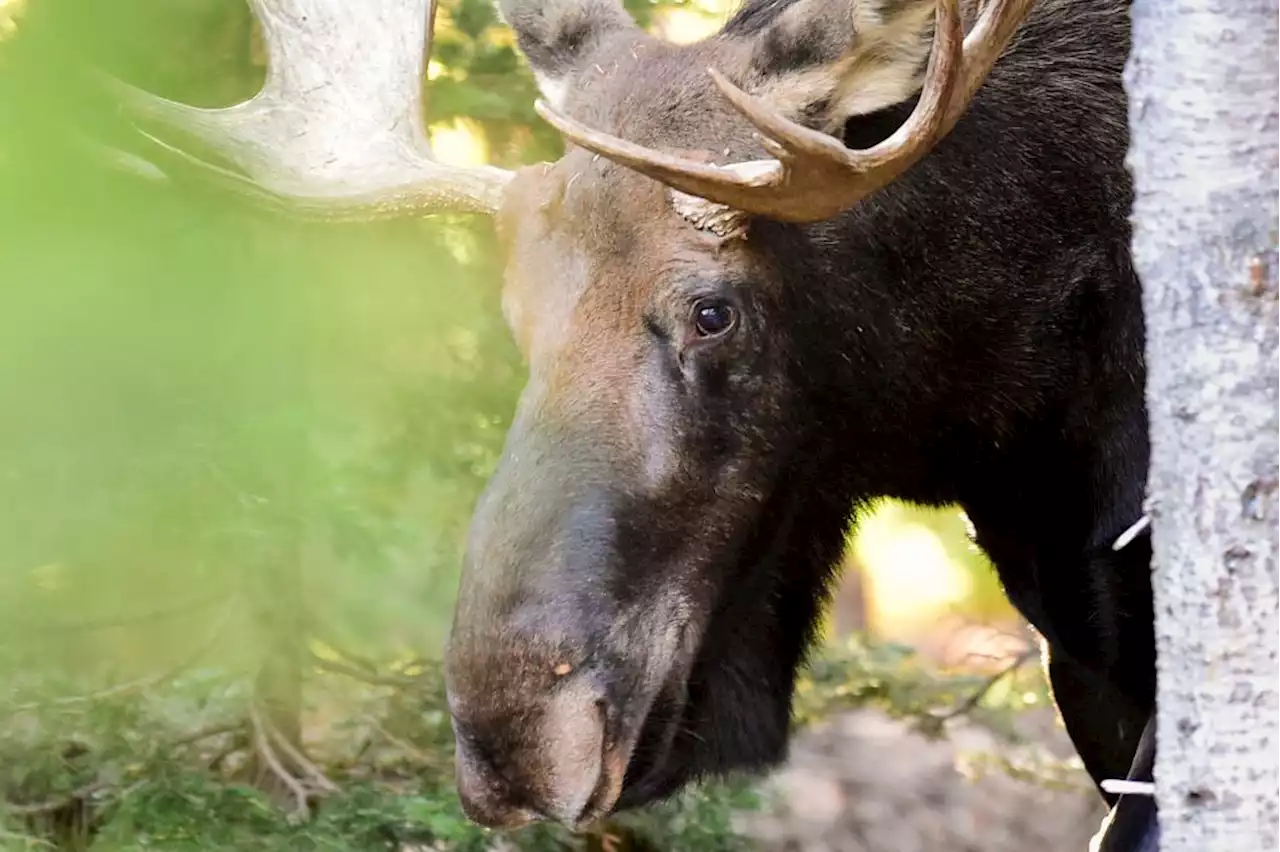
[
  {"x": 159, "y": 613},
  {"x": 261, "y": 740},
  {"x": 50, "y": 805},
  {"x": 132, "y": 685},
  {"x": 419, "y": 756},
  {"x": 372, "y": 678},
  {"x": 299, "y": 759},
  {"x": 981, "y": 692}
]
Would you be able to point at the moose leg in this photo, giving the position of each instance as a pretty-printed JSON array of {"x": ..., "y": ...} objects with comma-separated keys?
[
  {"x": 1105, "y": 724},
  {"x": 1115, "y": 738},
  {"x": 1131, "y": 826}
]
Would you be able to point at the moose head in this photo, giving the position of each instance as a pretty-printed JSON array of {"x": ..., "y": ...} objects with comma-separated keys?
[{"x": 746, "y": 300}]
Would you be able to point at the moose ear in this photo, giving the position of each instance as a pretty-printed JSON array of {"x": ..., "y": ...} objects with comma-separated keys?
[
  {"x": 821, "y": 61},
  {"x": 556, "y": 35}
]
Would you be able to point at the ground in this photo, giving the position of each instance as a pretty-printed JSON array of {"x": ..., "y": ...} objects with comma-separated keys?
[{"x": 863, "y": 782}]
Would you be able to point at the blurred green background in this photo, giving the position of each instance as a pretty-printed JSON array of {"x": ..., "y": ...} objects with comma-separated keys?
[{"x": 234, "y": 449}]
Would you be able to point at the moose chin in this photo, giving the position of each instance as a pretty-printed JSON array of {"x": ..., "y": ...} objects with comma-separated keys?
[{"x": 839, "y": 250}]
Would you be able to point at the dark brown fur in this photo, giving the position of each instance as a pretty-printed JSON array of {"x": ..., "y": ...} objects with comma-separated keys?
[{"x": 669, "y": 510}]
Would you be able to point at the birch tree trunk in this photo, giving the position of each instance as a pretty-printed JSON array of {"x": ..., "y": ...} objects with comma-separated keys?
[{"x": 1202, "y": 81}]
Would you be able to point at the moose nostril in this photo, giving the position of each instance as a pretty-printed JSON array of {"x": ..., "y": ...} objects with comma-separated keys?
[
  {"x": 552, "y": 759},
  {"x": 485, "y": 795},
  {"x": 605, "y": 711}
]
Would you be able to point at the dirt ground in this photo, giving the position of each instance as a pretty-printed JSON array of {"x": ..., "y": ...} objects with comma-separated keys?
[{"x": 863, "y": 782}]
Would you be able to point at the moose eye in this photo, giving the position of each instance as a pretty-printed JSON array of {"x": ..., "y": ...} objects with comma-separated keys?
[{"x": 713, "y": 317}]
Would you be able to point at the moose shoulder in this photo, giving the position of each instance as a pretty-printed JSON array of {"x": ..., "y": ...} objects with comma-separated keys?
[{"x": 864, "y": 254}]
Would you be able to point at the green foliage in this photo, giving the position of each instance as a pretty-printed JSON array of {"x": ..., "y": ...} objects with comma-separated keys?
[
  {"x": 173, "y": 766},
  {"x": 892, "y": 678},
  {"x": 199, "y": 399},
  {"x": 229, "y": 440},
  {"x": 192, "y": 813}
]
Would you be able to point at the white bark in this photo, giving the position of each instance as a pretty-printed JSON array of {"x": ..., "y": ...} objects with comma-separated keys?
[{"x": 1202, "y": 80}]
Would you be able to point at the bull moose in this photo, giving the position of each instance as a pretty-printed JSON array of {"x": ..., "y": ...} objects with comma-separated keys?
[{"x": 840, "y": 249}]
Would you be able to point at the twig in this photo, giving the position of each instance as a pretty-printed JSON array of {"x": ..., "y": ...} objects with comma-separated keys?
[
  {"x": 335, "y": 667},
  {"x": 981, "y": 692},
  {"x": 1126, "y": 538},
  {"x": 419, "y": 662},
  {"x": 358, "y": 660},
  {"x": 26, "y": 839},
  {"x": 413, "y": 751},
  {"x": 300, "y": 760},
  {"x": 206, "y": 732},
  {"x": 50, "y": 805},
  {"x": 86, "y": 790},
  {"x": 144, "y": 617},
  {"x": 132, "y": 685},
  {"x": 982, "y": 655},
  {"x": 215, "y": 762},
  {"x": 302, "y": 808},
  {"x": 1125, "y": 787},
  {"x": 88, "y": 698}
]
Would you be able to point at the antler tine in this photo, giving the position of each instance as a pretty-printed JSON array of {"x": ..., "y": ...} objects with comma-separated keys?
[
  {"x": 336, "y": 131},
  {"x": 813, "y": 176},
  {"x": 990, "y": 36}
]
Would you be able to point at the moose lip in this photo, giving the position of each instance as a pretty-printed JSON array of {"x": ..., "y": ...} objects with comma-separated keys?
[
  {"x": 632, "y": 775},
  {"x": 604, "y": 798},
  {"x": 648, "y": 776}
]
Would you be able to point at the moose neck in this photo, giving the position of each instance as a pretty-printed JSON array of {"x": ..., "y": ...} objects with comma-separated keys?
[
  {"x": 1009, "y": 382},
  {"x": 973, "y": 333}
]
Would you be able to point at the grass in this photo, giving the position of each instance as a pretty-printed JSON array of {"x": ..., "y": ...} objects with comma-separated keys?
[{"x": 179, "y": 764}]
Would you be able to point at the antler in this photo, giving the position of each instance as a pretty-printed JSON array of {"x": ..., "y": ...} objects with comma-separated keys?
[
  {"x": 814, "y": 176},
  {"x": 336, "y": 131}
]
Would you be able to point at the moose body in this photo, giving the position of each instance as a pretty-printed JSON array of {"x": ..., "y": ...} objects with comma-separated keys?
[
  {"x": 670, "y": 511},
  {"x": 895, "y": 268}
]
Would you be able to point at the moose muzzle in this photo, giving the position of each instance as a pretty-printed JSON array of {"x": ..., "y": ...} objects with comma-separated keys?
[
  {"x": 550, "y": 757},
  {"x": 548, "y": 673}
]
